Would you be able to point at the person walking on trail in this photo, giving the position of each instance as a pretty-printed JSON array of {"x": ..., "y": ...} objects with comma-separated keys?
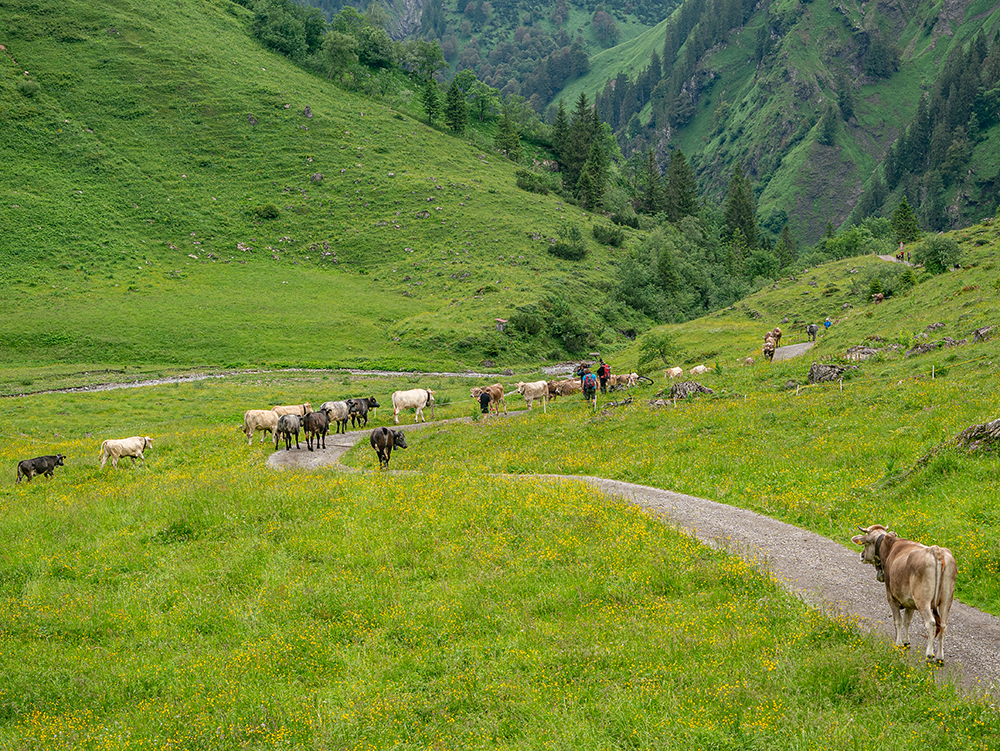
[
  {"x": 589, "y": 382},
  {"x": 827, "y": 323},
  {"x": 604, "y": 373}
]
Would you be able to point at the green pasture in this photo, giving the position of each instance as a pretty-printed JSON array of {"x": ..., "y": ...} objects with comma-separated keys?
[{"x": 205, "y": 601}]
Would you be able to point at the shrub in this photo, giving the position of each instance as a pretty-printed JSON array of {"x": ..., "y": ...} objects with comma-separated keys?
[
  {"x": 570, "y": 246},
  {"x": 267, "y": 211},
  {"x": 533, "y": 182},
  {"x": 938, "y": 254},
  {"x": 606, "y": 235},
  {"x": 625, "y": 220},
  {"x": 28, "y": 88}
]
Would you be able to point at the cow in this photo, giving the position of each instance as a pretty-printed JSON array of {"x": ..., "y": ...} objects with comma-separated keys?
[
  {"x": 769, "y": 346},
  {"x": 287, "y": 424},
  {"x": 293, "y": 409},
  {"x": 917, "y": 577},
  {"x": 316, "y": 425},
  {"x": 878, "y": 297},
  {"x": 116, "y": 448},
  {"x": 562, "y": 388},
  {"x": 40, "y": 465},
  {"x": 359, "y": 408},
  {"x": 496, "y": 396},
  {"x": 672, "y": 373},
  {"x": 775, "y": 334},
  {"x": 748, "y": 361},
  {"x": 534, "y": 390},
  {"x": 264, "y": 420},
  {"x": 412, "y": 399},
  {"x": 383, "y": 440},
  {"x": 699, "y": 369},
  {"x": 811, "y": 330},
  {"x": 339, "y": 412}
]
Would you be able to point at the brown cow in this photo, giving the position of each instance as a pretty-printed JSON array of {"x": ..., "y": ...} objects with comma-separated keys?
[
  {"x": 916, "y": 577},
  {"x": 496, "y": 396}
]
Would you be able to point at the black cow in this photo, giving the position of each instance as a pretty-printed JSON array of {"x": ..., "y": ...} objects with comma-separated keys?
[
  {"x": 812, "y": 329},
  {"x": 316, "y": 424},
  {"x": 383, "y": 440},
  {"x": 40, "y": 465},
  {"x": 358, "y": 409},
  {"x": 287, "y": 424}
]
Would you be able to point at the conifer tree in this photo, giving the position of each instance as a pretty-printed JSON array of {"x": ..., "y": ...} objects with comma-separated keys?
[
  {"x": 740, "y": 209},
  {"x": 508, "y": 137},
  {"x": 560, "y": 133},
  {"x": 681, "y": 188},
  {"x": 456, "y": 111},
  {"x": 430, "y": 97},
  {"x": 653, "y": 195},
  {"x": 581, "y": 135},
  {"x": 904, "y": 223},
  {"x": 786, "y": 250}
]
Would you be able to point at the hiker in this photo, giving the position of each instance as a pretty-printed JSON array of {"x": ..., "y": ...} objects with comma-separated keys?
[
  {"x": 589, "y": 382},
  {"x": 604, "y": 373}
]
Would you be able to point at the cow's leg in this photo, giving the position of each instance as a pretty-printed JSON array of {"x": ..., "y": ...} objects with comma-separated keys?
[
  {"x": 931, "y": 626},
  {"x": 903, "y": 637},
  {"x": 395, "y": 414}
]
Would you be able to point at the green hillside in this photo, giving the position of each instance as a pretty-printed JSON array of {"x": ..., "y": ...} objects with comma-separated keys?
[{"x": 167, "y": 199}]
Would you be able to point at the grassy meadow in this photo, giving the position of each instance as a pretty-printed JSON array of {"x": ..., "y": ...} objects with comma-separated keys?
[{"x": 205, "y": 601}]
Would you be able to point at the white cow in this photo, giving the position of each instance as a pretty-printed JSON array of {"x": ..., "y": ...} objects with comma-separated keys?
[
  {"x": 534, "y": 390},
  {"x": 412, "y": 399},
  {"x": 116, "y": 448},
  {"x": 293, "y": 409},
  {"x": 673, "y": 373},
  {"x": 340, "y": 413},
  {"x": 699, "y": 369},
  {"x": 264, "y": 420}
]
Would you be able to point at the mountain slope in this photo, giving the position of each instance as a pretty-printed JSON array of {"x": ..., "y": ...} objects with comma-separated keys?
[{"x": 164, "y": 173}]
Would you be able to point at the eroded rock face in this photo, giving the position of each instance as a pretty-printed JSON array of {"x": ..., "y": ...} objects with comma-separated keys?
[
  {"x": 823, "y": 372},
  {"x": 686, "y": 388},
  {"x": 985, "y": 437}
]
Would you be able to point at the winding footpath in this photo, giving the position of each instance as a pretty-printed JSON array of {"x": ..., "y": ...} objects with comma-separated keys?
[{"x": 820, "y": 571}]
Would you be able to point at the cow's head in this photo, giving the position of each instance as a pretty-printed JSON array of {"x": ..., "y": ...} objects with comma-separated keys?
[
  {"x": 399, "y": 439},
  {"x": 373, "y": 403},
  {"x": 147, "y": 442},
  {"x": 871, "y": 539},
  {"x": 59, "y": 460},
  {"x": 520, "y": 387}
]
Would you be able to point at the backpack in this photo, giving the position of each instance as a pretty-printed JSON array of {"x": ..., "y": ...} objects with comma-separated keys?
[{"x": 589, "y": 381}]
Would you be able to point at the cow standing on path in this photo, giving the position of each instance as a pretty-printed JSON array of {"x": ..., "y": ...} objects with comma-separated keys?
[{"x": 917, "y": 577}]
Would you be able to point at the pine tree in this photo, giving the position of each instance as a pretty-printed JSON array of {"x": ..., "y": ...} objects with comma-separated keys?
[
  {"x": 904, "y": 223},
  {"x": 508, "y": 137},
  {"x": 594, "y": 177},
  {"x": 740, "y": 209},
  {"x": 828, "y": 125},
  {"x": 430, "y": 97},
  {"x": 560, "y": 133},
  {"x": 681, "y": 188},
  {"x": 653, "y": 195},
  {"x": 456, "y": 111},
  {"x": 581, "y": 135},
  {"x": 786, "y": 250}
]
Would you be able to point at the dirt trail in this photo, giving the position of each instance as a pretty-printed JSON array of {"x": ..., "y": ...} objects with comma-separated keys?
[
  {"x": 821, "y": 571},
  {"x": 791, "y": 350}
]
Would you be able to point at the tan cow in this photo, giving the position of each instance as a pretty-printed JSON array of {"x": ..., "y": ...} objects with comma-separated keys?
[
  {"x": 534, "y": 390},
  {"x": 293, "y": 409},
  {"x": 115, "y": 448},
  {"x": 496, "y": 396},
  {"x": 264, "y": 420},
  {"x": 672, "y": 373},
  {"x": 916, "y": 577}
]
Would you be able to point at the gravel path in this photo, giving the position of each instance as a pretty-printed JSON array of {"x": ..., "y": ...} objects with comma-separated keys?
[
  {"x": 821, "y": 571},
  {"x": 791, "y": 350}
]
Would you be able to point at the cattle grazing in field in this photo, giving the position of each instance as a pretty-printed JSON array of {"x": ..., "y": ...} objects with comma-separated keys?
[
  {"x": 40, "y": 465},
  {"x": 748, "y": 361},
  {"x": 412, "y": 399},
  {"x": 264, "y": 420},
  {"x": 116, "y": 448},
  {"x": 917, "y": 577},
  {"x": 339, "y": 412},
  {"x": 769, "y": 347},
  {"x": 562, "y": 388},
  {"x": 623, "y": 379},
  {"x": 534, "y": 390},
  {"x": 293, "y": 409},
  {"x": 672, "y": 373},
  {"x": 775, "y": 334},
  {"x": 496, "y": 396},
  {"x": 359, "y": 408},
  {"x": 878, "y": 297},
  {"x": 316, "y": 425},
  {"x": 383, "y": 440},
  {"x": 287, "y": 425},
  {"x": 811, "y": 330},
  {"x": 699, "y": 369}
]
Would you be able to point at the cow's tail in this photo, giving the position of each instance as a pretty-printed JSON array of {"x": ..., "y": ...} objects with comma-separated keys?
[{"x": 938, "y": 578}]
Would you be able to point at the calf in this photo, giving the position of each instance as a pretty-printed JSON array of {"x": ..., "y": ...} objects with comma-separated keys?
[
  {"x": 339, "y": 413},
  {"x": 916, "y": 577},
  {"x": 116, "y": 448},
  {"x": 40, "y": 465},
  {"x": 287, "y": 424},
  {"x": 673, "y": 373},
  {"x": 359, "y": 408},
  {"x": 316, "y": 424},
  {"x": 383, "y": 440},
  {"x": 534, "y": 390},
  {"x": 264, "y": 420}
]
